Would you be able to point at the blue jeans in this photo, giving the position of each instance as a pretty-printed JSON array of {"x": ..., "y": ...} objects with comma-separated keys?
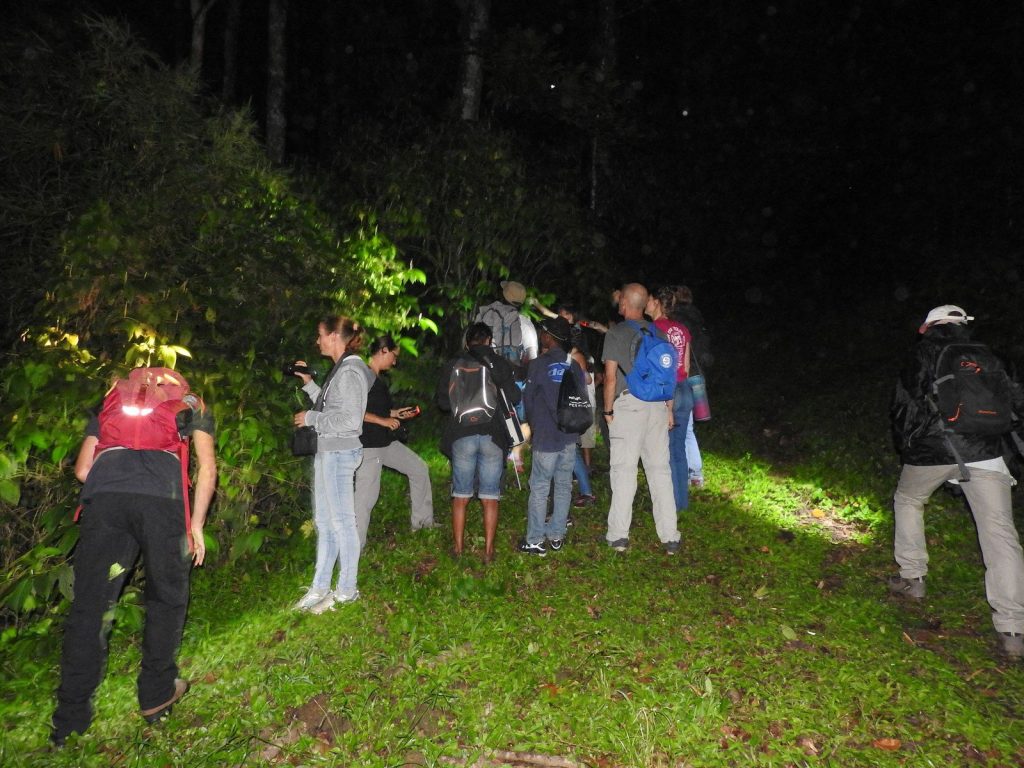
[
  {"x": 334, "y": 514},
  {"x": 581, "y": 473},
  {"x": 547, "y": 467},
  {"x": 476, "y": 458},
  {"x": 682, "y": 409}
]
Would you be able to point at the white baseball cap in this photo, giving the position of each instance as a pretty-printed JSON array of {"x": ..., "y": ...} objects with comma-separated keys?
[{"x": 947, "y": 313}]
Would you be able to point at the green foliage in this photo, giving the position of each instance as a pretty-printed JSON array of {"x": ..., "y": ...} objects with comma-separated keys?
[
  {"x": 188, "y": 251},
  {"x": 462, "y": 201}
]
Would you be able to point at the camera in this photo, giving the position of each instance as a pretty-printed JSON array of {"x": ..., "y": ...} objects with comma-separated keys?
[{"x": 290, "y": 369}]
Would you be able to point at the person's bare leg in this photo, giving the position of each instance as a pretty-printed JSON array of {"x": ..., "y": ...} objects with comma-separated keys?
[
  {"x": 490, "y": 527},
  {"x": 586, "y": 458},
  {"x": 458, "y": 524}
]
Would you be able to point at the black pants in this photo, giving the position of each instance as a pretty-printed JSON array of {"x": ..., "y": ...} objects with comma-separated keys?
[{"x": 115, "y": 527}]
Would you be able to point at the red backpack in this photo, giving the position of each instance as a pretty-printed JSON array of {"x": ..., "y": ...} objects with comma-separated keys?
[{"x": 140, "y": 413}]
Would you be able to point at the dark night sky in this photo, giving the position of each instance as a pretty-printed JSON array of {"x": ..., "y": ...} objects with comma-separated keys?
[{"x": 832, "y": 144}]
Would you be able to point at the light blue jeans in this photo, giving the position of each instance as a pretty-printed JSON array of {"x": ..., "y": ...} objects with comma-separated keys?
[
  {"x": 334, "y": 514},
  {"x": 556, "y": 467},
  {"x": 694, "y": 462}
]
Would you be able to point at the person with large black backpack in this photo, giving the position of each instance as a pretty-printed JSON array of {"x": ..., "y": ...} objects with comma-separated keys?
[
  {"x": 953, "y": 406},
  {"x": 477, "y": 390},
  {"x": 559, "y": 411}
]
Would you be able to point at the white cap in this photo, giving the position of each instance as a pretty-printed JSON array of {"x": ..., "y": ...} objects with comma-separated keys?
[{"x": 947, "y": 313}]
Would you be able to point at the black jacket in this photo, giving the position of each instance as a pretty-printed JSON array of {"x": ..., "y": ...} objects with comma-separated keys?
[
  {"x": 917, "y": 430},
  {"x": 503, "y": 377}
]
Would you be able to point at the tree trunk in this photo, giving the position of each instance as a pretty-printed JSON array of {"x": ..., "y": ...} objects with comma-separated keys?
[
  {"x": 607, "y": 64},
  {"x": 230, "y": 82},
  {"x": 199, "y": 9},
  {"x": 330, "y": 93},
  {"x": 276, "y": 70},
  {"x": 477, "y": 19}
]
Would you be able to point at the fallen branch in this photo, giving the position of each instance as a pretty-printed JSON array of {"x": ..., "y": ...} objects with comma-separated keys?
[{"x": 499, "y": 757}]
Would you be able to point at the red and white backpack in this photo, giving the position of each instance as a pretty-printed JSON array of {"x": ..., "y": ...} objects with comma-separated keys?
[{"x": 141, "y": 413}]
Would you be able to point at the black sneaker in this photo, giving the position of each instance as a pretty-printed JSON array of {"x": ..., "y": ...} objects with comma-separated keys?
[
  {"x": 619, "y": 545},
  {"x": 532, "y": 549},
  {"x": 555, "y": 544}
]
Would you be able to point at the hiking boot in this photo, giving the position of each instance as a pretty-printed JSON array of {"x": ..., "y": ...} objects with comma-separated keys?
[
  {"x": 670, "y": 547},
  {"x": 154, "y": 714},
  {"x": 311, "y": 598},
  {"x": 585, "y": 500},
  {"x": 556, "y": 544},
  {"x": 911, "y": 588},
  {"x": 332, "y": 599},
  {"x": 532, "y": 549},
  {"x": 1013, "y": 644},
  {"x": 619, "y": 545}
]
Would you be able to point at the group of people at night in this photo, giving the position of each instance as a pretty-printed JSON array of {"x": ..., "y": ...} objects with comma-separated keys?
[
  {"x": 132, "y": 498},
  {"x": 358, "y": 427}
]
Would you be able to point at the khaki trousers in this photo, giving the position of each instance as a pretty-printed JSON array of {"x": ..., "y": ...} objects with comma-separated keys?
[
  {"x": 988, "y": 494},
  {"x": 639, "y": 432}
]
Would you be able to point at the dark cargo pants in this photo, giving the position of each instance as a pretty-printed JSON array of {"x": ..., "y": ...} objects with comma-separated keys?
[{"x": 115, "y": 527}]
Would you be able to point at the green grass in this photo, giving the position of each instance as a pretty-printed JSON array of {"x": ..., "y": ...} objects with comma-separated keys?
[{"x": 769, "y": 640}]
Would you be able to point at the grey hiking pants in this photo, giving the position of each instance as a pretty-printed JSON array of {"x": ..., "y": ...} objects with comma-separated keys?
[
  {"x": 988, "y": 494},
  {"x": 400, "y": 458}
]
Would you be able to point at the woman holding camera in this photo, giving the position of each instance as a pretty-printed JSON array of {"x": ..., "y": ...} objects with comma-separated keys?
[
  {"x": 382, "y": 447},
  {"x": 338, "y": 421}
]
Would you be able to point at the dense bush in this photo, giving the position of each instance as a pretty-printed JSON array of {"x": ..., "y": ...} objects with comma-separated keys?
[{"x": 181, "y": 246}]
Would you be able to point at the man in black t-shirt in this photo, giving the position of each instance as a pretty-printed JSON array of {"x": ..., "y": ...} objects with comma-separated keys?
[{"x": 133, "y": 501}]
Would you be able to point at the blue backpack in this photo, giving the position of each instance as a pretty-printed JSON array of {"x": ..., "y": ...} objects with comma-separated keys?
[{"x": 653, "y": 374}]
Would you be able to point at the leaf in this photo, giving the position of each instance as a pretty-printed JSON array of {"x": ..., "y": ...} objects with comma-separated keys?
[
  {"x": 788, "y": 632},
  {"x": 761, "y": 593},
  {"x": 890, "y": 745},
  {"x": 806, "y": 743},
  {"x": 116, "y": 569},
  {"x": 10, "y": 492}
]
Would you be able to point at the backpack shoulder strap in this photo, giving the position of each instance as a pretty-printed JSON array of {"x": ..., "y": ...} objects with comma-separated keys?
[{"x": 634, "y": 343}]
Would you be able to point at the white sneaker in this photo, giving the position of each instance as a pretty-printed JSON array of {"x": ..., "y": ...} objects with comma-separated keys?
[
  {"x": 340, "y": 598},
  {"x": 311, "y": 598},
  {"x": 332, "y": 599}
]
